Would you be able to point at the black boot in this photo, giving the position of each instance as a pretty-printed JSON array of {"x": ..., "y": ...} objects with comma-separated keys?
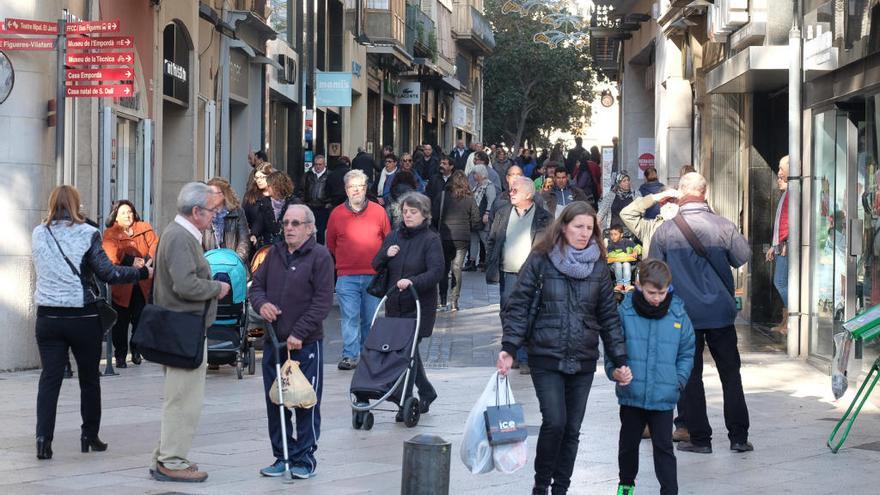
[
  {"x": 44, "y": 448},
  {"x": 136, "y": 357},
  {"x": 94, "y": 443}
]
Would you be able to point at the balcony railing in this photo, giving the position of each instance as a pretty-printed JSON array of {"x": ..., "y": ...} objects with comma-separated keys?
[
  {"x": 472, "y": 30},
  {"x": 385, "y": 21},
  {"x": 421, "y": 37}
]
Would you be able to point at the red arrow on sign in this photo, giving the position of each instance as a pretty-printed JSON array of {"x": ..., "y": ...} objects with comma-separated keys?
[
  {"x": 99, "y": 75},
  {"x": 109, "y": 58},
  {"x": 27, "y": 44},
  {"x": 27, "y": 26},
  {"x": 85, "y": 27},
  {"x": 97, "y": 43},
  {"x": 106, "y": 91}
]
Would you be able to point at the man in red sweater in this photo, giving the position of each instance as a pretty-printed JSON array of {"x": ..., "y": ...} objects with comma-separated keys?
[{"x": 355, "y": 233}]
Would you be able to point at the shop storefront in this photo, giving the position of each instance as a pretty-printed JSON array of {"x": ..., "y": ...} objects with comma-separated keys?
[{"x": 842, "y": 265}]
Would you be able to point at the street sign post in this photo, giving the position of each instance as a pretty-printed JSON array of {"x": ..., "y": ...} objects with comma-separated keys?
[
  {"x": 99, "y": 75},
  {"x": 99, "y": 91},
  {"x": 106, "y": 58},
  {"x": 89, "y": 27},
  {"x": 27, "y": 44},
  {"x": 99, "y": 43},
  {"x": 27, "y": 26}
]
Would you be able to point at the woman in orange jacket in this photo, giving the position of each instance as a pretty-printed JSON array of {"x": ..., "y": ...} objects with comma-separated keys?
[{"x": 128, "y": 241}]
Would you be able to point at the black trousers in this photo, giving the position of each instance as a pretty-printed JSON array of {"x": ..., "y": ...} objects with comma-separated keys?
[
  {"x": 632, "y": 424},
  {"x": 426, "y": 390},
  {"x": 563, "y": 400},
  {"x": 124, "y": 317},
  {"x": 55, "y": 335},
  {"x": 722, "y": 346}
]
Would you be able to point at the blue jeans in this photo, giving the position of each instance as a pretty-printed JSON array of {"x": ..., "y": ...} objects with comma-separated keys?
[
  {"x": 300, "y": 451},
  {"x": 622, "y": 272},
  {"x": 507, "y": 284},
  {"x": 357, "y": 308},
  {"x": 780, "y": 278}
]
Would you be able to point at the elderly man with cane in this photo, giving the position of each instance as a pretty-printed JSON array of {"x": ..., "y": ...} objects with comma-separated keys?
[{"x": 293, "y": 289}]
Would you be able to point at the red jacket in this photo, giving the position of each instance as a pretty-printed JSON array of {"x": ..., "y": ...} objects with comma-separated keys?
[
  {"x": 122, "y": 248},
  {"x": 355, "y": 238}
]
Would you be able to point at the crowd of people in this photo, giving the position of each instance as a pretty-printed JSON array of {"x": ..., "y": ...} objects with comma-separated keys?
[{"x": 562, "y": 251}]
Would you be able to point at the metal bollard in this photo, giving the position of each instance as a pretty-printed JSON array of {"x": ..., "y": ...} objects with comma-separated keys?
[{"x": 426, "y": 461}]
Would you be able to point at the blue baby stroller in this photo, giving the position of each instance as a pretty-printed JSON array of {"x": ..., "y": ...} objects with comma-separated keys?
[{"x": 228, "y": 342}]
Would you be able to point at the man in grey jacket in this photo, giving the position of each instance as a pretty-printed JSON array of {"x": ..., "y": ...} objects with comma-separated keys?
[
  {"x": 705, "y": 282},
  {"x": 183, "y": 283}
]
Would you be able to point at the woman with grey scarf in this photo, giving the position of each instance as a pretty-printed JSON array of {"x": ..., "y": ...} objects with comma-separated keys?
[{"x": 562, "y": 305}]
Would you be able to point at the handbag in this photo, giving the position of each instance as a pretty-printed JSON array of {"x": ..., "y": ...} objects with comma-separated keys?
[
  {"x": 106, "y": 313},
  {"x": 171, "y": 338},
  {"x": 378, "y": 286},
  {"x": 504, "y": 423}
]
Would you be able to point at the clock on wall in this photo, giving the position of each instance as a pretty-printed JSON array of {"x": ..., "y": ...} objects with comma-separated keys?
[
  {"x": 7, "y": 77},
  {"x": 607, "y": 99}
]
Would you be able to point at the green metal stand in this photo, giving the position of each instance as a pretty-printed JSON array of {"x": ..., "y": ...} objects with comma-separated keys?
[{"x": 860, "y": 398}]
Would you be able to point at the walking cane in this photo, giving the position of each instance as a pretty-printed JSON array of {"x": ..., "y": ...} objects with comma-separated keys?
[{"x": 288, "y": 476}]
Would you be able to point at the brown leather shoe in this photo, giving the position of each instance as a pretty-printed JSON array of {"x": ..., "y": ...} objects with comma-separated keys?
[
  {"x": 681, "y": 434},
  {"x": 188, "y": 475}
]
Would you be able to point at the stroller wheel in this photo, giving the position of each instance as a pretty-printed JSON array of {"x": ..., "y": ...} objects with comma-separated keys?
[
  {"x": 357, "y": 420},
  {"x": 239, "y": 369},
  {"x": 411, "y": 412},
  {"x": 252, "y": 360},
  {"x": 368, "y": 421}
]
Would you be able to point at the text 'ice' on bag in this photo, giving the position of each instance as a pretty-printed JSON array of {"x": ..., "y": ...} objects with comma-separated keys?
[{"x": 476, "y": 452}]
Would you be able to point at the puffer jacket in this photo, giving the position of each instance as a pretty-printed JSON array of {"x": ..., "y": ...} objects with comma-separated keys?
[
  {"x": 572, "y": 315},
  {"x": 660, "y": 354},
  {"x": 57, "y": 285}
]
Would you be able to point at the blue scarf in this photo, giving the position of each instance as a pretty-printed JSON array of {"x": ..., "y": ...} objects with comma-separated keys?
[{"x": 575, "y": 263}]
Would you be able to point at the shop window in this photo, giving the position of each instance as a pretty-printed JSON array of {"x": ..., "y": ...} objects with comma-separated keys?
[{"x": 176, "y": 63}]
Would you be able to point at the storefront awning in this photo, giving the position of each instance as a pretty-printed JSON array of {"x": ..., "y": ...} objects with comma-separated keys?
[{"x": 753, "y": 70}]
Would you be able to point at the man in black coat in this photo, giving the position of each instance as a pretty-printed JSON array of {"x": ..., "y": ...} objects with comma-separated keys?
[
  {"x": 364, "y": 161},
  {"x": 316, "y": 195},
  {"x": 515, "y": 227},
  {"x": 460, "y": 155},
  {"x": 428, "y": 164},
  {"x": 578, "y": 153},
  {"x": 439, "y": 181}
]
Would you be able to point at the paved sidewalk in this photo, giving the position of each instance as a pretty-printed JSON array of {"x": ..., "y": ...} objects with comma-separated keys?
[{"x": 789, "y": 401}]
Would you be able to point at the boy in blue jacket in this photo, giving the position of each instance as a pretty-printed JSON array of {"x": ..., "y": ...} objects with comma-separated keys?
[{"x": 660, "y": 347}]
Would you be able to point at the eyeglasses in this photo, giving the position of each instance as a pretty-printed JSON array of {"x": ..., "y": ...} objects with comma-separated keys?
[
  {"x": 407, "y": 159},
  {"x": 514, "y": 191},
  {"x": 356, "y": 186},
  {"x": 213, "y": 211},
  {"x": 294, "y": 223}
]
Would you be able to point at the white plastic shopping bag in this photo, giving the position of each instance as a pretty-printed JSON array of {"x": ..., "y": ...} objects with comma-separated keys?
[
  {"x": 476, "y": 453},
  {"x": 843, "y": 346}
]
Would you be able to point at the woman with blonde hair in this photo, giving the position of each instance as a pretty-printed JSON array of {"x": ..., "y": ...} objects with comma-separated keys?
[
  {"x": 67, "y": 255},
  {"x": 229, "y": 228}
]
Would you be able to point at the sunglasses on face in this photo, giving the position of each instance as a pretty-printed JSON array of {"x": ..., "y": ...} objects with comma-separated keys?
[
  {"x": 294, "y": 223},
  {"x": 407, "y": 159}
]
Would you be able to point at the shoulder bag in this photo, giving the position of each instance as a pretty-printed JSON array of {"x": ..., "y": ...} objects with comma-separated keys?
[
  {"x": 106, "y": 313},
  {"x": 379, "y": 283},
  {"x": 695, "y": 243},
  {"x": 171, "y": 338}
]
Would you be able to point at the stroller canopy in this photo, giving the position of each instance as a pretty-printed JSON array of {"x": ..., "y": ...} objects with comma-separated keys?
[{"x": 227, "y": 261}]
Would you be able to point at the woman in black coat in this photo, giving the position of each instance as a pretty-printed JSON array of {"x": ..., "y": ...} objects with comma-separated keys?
[
  {"x": 413, "y": 256},
  {"x": 456, "y": 215},
  {"x": 562, "y": 304},
  {"x": 267, "y": 227}
]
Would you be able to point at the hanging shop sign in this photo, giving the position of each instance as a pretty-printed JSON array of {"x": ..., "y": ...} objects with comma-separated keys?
[
  {"x": 409, "y": 93},
  {"x": 176, "y": 71},
  {"x": 333, "y": 89},
  {"x": 176, "y": 61},
  {"x": 99, "y": 74},
  {"x": 103, "y": 91},
  {"x": 108, "y": 58}
]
